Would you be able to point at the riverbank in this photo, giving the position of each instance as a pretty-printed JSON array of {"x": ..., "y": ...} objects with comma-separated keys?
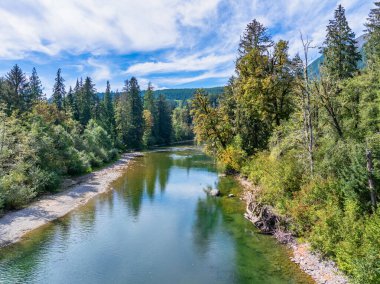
[
  {"x": 76, "y": 192},
  {"x": 321, "y": 270}
]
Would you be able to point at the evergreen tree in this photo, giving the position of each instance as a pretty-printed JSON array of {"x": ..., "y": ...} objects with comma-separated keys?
[
  {"x": 15, "y": 90},
  {"x": 108, "y": 111},
  {"x": 136, "y": 121},
  {"x": 87, "y": 101},
  {"x": 372, "y": 47},
  {"x": 35, "y": 88},
  {"x": 150, "y": 105},
  {"x": 70, "y": 103},
  {"x": 122, "y": 113},
  {"x": 340, "y": 47},
  {"x": 59, "y": 91},
  {"x": 164, "y": 121},
  {"x": 255, "y": 37}
]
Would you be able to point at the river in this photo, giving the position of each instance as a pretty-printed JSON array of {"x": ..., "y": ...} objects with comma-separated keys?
[{"x": 156, "y": 226}]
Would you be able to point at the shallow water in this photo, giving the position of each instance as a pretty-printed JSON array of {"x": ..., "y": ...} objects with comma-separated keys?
[{"x": 156, "y": 226}]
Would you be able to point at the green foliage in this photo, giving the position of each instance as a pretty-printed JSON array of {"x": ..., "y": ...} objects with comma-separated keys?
[
  {"x": 185, "y": 94},
  {"x": 59, "y": 91},
  {"x": 340, "y": 52},
  {"x": 233, "y": 156},
  {"x": 164, "y": 121},
  {"x": 182, "y": 123},
  {"x": 35, "y": 153},
  {"x": 304, "y": 141},
  {"x": 372, "y": 48}
]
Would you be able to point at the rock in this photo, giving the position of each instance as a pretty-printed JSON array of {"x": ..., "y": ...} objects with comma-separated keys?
[
  {"x": 222, "y": 175},
  {"x": 214, "y": 192},
  {"x": 231, "y": 195}
]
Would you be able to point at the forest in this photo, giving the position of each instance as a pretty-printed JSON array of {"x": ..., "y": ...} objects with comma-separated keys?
[
  {"x": 75, "y": 131},
  {"x": 311, "y": 144}
]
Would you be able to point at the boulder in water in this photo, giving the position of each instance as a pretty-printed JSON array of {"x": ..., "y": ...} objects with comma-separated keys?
[{"x": 214, "y": 192}]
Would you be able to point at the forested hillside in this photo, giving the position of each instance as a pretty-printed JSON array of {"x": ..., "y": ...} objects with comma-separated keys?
[
  {"x": 75, "y": 131},
  {"x": 186, "y": 94},
  {"x": 179, "y": 94},
  {"x": 311, "y": 145}
]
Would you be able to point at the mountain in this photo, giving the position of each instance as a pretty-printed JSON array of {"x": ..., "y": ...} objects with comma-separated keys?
[
  {"x": 185, "y": 94},
  {"x": 314, "y": 66},
  {"x": 180, "y": 94}
]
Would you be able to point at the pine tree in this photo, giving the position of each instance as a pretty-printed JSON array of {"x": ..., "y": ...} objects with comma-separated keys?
[
  {"x": 16, "y": 86},
  {"x": 150, "y": 105},
  {"x": 70, "y": 104},
  {"x": 164, "y": 121},
  {"x": 255, "y": 37},
  {"x": 136, "y": 121},
  {"x": 340, "y": 47},
  {"x": 122, "y": 113},
  {"x": 372, "y": 47},
  {"x": 87, "y": 101},
  {"x": 35, "y": 88},
  {"x": 59, "y": 91},
  {"x": 108, "y": 111}
]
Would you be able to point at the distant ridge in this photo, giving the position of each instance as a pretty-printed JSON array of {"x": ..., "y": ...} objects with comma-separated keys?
[
  {"x": 179, "y": 94},
  {"x": 187, "y": 93}
]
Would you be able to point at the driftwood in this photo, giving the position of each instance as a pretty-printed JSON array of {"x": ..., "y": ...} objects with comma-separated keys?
[{"x": 266, "y": 220}]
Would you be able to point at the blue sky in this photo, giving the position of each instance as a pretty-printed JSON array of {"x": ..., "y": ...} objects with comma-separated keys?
[{"x": 172, "y": 43}]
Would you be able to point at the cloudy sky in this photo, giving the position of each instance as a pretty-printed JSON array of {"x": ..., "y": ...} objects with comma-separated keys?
[{"x": 172, "y": 43}]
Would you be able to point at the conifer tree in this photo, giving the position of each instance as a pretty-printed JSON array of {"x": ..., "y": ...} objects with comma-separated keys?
[
  {"x": 122, "y": 112},
  {"x": 59, "y": 91},
  {"x": 35, "y": 87},
  {"x": 151, "y": 107},
  {"x": 372, "y": 47},
  {"x": 108, "y": 111},
  {"x": 87, "y": 101},
  {"x": 164, "y": 121},
  {"x": 16, "y": 86},
  {"x": 136, "y": 121},
  {"x": 340, "y": 47},
  {"x": 70, "y": 104},
  {"x": 255, "y": 37}
]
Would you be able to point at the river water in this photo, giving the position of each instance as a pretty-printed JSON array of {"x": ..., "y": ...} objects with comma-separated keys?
[{"x": 156, "y": 226}]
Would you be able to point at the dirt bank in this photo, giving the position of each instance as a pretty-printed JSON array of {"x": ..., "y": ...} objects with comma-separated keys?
[
  {"x": 77, "y": 191},
  {"x": 265, "y": 218}
]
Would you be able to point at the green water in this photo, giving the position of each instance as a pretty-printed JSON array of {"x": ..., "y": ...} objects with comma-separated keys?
[{"x": 156, "y": 226}]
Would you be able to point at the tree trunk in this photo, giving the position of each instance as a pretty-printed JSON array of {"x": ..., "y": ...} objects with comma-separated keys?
[{"x": 371, "y": 183}]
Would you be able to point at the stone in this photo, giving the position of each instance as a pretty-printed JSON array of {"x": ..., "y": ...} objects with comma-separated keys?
[{"x": 214, "y": 192}]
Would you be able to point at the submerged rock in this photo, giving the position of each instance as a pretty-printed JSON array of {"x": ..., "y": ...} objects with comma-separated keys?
[{"x": 214, "y": 192}]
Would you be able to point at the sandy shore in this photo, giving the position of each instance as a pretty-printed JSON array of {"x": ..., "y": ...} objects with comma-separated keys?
[
  {"x": 77, "y": 191},
  {"x": 322, "y": 271}
]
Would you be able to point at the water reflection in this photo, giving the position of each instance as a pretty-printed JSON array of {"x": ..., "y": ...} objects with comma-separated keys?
[
  {"x": 157, "y": 226},
  {"x": 154, "y": 172}
]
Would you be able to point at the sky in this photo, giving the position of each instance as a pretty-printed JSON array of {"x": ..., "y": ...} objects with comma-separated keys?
[{"x": 171, "y": 43}]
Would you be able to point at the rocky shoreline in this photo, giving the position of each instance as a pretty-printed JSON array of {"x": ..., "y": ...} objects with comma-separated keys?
[
  {"x": 77, "y": 191},
  {"x": 264, "y": 218}
]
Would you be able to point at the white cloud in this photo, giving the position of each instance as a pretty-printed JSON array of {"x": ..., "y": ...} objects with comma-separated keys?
[
  {"x": 101, "y": 71},
  {"x": 199, "y": 36},
  {"x": 178, "y": 64},
  {"x": 189, "y": 79},
  {"x": 96, "y": 26}
]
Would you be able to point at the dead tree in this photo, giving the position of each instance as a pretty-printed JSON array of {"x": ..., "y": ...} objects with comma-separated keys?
[{"x": 306, "y": 98}]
